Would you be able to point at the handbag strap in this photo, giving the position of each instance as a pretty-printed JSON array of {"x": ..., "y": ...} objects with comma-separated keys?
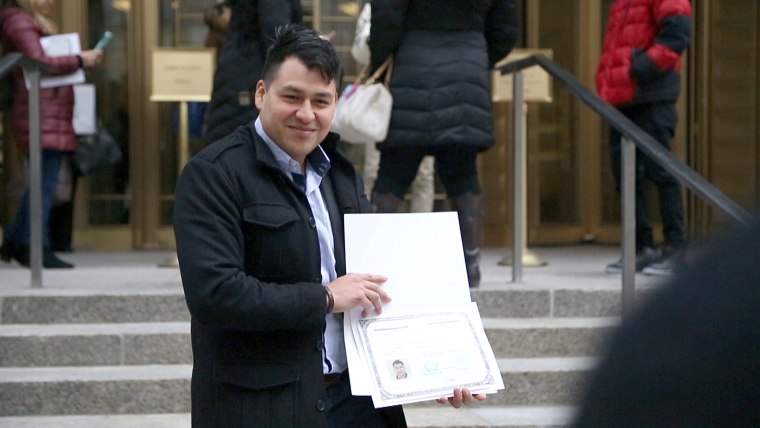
[{"x": 385, "y": 68}]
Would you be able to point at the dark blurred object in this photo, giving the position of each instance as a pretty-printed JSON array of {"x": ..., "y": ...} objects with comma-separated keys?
[
  {"x": 688, "y": 357},
  {"x": 239, "y": 62},
  {"x": 96, "y": 152},
  {"x": 217, "y": 19}
]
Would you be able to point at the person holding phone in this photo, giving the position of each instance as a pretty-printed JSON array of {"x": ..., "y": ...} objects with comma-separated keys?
[{"x": 24, "y": 23}]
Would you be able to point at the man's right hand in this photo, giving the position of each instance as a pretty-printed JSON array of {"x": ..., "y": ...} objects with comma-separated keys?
[{"x": 354, "y": 289}]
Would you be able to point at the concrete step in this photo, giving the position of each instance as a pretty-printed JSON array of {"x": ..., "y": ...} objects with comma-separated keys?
[
  {"x": 116, "y": 344},
  {"x": 42, "y": 345},
  {"x": 441, "y": 417},
  {"x": 548, "y": 337},
  {"x": 166, "y": 388},
  {"x": 95, "y": 390},
  {"x": 50, "y": 307},
  {"x": 508, "y": 301}
]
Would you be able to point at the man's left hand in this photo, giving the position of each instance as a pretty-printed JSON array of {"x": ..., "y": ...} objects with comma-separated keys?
[{"x": 462, "y": 397}]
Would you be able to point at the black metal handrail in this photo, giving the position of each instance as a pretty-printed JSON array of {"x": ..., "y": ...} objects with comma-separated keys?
[
  {"x": 633, "y": 137},
  {"x": 641, "y": 139},
  {"x": 35, "y": 70}
]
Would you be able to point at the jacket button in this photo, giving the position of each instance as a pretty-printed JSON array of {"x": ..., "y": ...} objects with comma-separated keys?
[
  {"x": 321, "y": 405},
  {"x": 318, "y": 279},
  {"x": 320, "y": 345},
  {"x": 312, "y": 222}
]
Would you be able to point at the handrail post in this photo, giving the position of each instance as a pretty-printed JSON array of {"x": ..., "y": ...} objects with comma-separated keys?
[
  {"x": 628, "y": 208},
  {"x": 518, "y": 184},
  {"x": 35, "y": 179}
]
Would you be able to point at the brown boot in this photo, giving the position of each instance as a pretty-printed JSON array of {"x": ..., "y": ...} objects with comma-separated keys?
[
  {"x": 385, "y": 202},
  {"x": 468, "y": 208}
]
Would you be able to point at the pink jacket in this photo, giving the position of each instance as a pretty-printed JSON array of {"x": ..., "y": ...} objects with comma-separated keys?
[{"x": 21, "y": 34}]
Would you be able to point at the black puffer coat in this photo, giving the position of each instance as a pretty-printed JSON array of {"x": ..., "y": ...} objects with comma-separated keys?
[
  {"x": 444, "y": 50},
  {"x": 241, "y": 60}
]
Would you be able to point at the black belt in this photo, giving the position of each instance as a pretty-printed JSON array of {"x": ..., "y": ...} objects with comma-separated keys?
[{"x": 332, "y": 379}]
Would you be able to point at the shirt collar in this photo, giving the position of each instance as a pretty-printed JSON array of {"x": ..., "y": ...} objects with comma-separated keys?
[{"x": 316, "y": 161}]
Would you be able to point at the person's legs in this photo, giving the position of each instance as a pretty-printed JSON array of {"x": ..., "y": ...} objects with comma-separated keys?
[
  {"x": 371, "y": 164},
  {"x": 20, "y": 232},
  {"x": 661, "y": 125},
  {"x": 423, "y": 187},
  {"x": 347, "y": 410},
  {"x": 398, "y": 167},
  {"x": 646, "y": 254},
  {"x": 644, "y": 236},
  {"x": 62, "y": 216},
  {"x": 457, "y": 168}
]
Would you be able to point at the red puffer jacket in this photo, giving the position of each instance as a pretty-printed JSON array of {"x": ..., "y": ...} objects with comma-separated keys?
[
  {"x": 21, "y": 34},
  {"x": 643, "y": 43}
]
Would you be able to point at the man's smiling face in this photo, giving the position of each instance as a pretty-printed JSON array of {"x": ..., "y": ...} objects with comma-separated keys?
[{"x": 296, "y": 108}]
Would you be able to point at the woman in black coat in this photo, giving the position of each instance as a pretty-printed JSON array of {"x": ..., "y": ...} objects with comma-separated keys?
[
  {"x": 443, "y": 53},
  {"x": 239, "y": 63}
]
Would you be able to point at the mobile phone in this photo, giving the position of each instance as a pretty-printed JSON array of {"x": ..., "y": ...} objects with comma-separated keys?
[{"x": 103, "y": 42}]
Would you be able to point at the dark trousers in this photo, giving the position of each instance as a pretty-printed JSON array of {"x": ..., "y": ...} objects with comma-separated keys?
[
  {"x": 18, "y": 230},
  {"x": 658, "y": 120},
  {"x": 455, "y": 165},
  {"x": 345, "y": 410}
]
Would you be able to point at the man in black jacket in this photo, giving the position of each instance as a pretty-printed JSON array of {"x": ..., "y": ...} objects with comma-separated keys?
[{"x": 258, "y": 223}]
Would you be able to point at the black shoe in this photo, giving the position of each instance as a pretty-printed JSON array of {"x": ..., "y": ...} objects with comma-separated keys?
[
  {"x": 51, "y": 261},
  {"x": 20, "y": 254},
  {"x": 6, "y": 251},
  {"x": 645, "y": 257}
]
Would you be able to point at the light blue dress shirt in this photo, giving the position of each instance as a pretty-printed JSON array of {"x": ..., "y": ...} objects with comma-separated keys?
[{"x": 317, "y": 165}]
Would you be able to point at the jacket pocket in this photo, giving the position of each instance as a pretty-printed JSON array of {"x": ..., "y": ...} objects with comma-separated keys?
[
  {"x": 271, "y": 233},
  {"x": 255, "y": 394}
]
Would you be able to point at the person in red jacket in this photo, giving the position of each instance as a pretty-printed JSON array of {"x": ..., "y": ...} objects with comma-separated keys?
[
  {"x": 23, "y": 23},
  {"x": 639, "y": 73}
]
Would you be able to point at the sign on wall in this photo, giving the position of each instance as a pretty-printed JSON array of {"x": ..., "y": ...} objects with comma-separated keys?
[
  {"x": 182, "y": 74},
  {"x": 537, "y": 83}
]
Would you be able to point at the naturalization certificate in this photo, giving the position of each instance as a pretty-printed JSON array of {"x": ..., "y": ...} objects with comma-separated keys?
[{"x": 429, "y": 339}]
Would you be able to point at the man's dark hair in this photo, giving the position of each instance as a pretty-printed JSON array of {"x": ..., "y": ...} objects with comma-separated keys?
[{"x": 308, "y": 46}]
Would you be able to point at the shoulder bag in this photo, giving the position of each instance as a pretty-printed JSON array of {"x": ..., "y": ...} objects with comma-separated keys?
[{"x": 364, "y": 109}]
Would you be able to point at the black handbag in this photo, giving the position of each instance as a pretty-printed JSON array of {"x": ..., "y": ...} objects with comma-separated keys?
[{"x": 96, "y": 152}]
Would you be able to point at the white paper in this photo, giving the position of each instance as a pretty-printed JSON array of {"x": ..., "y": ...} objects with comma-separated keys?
[
  {"x": 421, "y": 356},
  {"x": 60, "y": 45},
  {"x": 422, "y": 256},
  {"x": 84, "y": 121}
]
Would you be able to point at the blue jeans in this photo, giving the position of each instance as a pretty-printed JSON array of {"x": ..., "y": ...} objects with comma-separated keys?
[{"x": 18, "y": 230}]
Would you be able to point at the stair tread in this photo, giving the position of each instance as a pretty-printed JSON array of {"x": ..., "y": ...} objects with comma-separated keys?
[
  {"x": 81, "y": 329},
  {"x": 88, "y": 329},
  {"x": 95, "y": 373},
  {"x": 434, "y": 416},
  {"x": 549, "y": 322},
  {"x": 182, "y": 371},
  {"x": 551, "y": 364}
]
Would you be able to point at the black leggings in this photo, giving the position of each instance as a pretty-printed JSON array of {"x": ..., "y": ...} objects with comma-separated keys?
[{"x": 456, "y": 166}]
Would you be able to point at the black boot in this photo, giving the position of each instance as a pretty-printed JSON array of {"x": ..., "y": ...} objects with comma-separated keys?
[
  {"x": 385, "y": 202},
  {"x": 21, "y": 254},
  {"x": 468, "y": 209},
  {"x": 6, "y": 252},
  {"x": 51, "y": 261}
]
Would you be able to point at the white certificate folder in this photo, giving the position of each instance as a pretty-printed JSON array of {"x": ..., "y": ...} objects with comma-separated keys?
[{"x": 429, "y": 339}]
